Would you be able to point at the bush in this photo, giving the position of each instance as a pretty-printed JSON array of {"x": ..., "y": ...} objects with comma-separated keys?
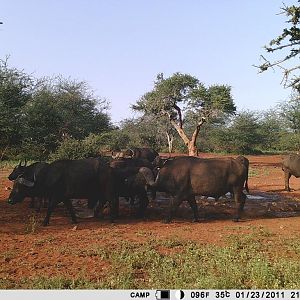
[
  {"x": 92, "y": 146},
  {"x": 68, "y": 149},
  {"x": 289, "y": 142}
]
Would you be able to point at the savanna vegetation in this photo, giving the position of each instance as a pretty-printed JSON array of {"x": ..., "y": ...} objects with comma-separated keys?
[
  {"x": 52, "y": 118},
  {"x": 55, "y": 117}
]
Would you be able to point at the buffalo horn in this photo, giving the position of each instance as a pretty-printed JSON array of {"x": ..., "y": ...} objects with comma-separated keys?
[{"x": 25, "y": 182}]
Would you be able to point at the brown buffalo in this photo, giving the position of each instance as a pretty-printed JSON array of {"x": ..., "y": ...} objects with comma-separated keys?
[
  {"x": 186, "y": 177},
  {"x": 290, "y": 166}
]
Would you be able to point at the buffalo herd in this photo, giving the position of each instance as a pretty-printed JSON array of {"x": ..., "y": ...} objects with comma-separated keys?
[{"x": 135, "y": 174}]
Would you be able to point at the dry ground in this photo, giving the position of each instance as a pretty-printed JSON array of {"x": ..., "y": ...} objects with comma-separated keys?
[{"x": 28, "y": 250}]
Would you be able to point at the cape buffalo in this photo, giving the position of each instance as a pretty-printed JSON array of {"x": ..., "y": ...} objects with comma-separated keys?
[
  {"x": 186, "y": 177},
  {"x": 290, "y": 166},
  {"x": 17, "y": 171},
  {"x": 20, "y": 191},
  {"x": 245, "y": 161},
  {"x": 31, "y": 172},
  {"x": 144, "y": 153},
  {"x": 67, "y": 179},
  {"x": 129, "y": 183}
]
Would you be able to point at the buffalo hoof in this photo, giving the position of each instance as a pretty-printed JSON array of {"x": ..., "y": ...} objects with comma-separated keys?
[
  {"x": 140, "y": 216},
  {"x": 74, "y": 222},
  {"x": 195, "y": 220},
  {"x": 235, "y": 219},
  {"x": 99, "y": 217},
  {"x": 166, "y": 221},
  {"x": 45, "y": 223}
]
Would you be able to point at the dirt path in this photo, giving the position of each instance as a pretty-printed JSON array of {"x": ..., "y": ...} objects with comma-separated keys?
[{"x": 28, "y": 249}]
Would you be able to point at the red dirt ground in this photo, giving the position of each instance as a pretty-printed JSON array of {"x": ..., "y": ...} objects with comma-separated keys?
[{"x": 27, "y": 249}]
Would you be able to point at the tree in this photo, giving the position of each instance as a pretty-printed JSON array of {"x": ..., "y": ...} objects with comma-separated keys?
[
  {"x": 181, "y": 95},
  {"x": 271, "y": 129},
  {"x": 288, "y": 44},
  {"x": 244, "y": 132},
  {"x": 143, "y": 131},
  {"x": 60, "y": 109},
  {"x": 290, "y": 111},
  {"x": 15, "y": 92}
]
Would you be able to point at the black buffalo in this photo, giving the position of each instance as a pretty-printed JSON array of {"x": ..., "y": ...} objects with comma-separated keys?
[
  {"x": 129, "y": 183},
  {"x": 290, "y": 166},
  {"x": 25, "y": 188},
  {"x": 143, "y": 153},
  {"x": 17, "y": 171},
  {"x": 185, "y": 177},
  {"x": 63, "y": 180}
]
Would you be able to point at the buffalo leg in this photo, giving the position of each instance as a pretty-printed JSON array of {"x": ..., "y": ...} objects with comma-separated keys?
[
  {"x": 31, "y": 204},
  {"x": 194, "y": 207},
  {"x": 69, "y": 206},
  {"x": 38, "y": 209},
  {"x": 131, "y": 200},
  {"x": 174, "y": 204},
  {"x": 287, "y": 176},
  {"x": 143, "y": 203},
  {"x": 153, "y": 194},
  {"x": 51, "y": 205},
  {"x": 114, "y": 208},
  {"x": 239, "y": 198}
]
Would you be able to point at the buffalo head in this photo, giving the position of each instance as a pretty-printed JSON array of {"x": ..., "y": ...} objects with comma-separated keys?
[
  {"x": 17, "y": 193},
  {"x": 17, "y": 171}
]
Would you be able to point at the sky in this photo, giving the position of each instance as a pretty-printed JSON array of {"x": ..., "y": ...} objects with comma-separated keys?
[{"x": 119, "y": 46}]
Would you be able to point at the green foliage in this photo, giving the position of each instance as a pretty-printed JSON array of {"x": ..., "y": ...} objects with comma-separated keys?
[
  {"x": 145, "y": 132},
  {"x": 169, "y": 93},
  {"x": 286, "y": 44},
  {"x": 290, "y": 111},
  {"x": 271, "y": 129},
  {"x": 15, "y": 92},
  {"x": 289, "y": 142},
  {"x": 63, "y": 108},
  {"x": 244, "y": 133},
  {"x": 37, "y": 115},
  {"x": 71, "y": 148},
  {"x": 166, "y": 93},
  {"x": 181, "y": 96}
]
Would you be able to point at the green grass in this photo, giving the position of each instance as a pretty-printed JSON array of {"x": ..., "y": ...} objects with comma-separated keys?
[
  {"x": 255, "y": 172},
  {"x": 246, "y": 262}
]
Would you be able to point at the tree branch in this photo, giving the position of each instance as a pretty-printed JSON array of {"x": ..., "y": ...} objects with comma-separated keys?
[
  {"x": 179, "y": 114},
  {"x": 180, "y": 132},
  {"x": 271, "y": 49},
  {"x": 196, "y": 132}
]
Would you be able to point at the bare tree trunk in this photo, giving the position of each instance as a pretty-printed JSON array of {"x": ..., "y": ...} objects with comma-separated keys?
[
  {"x": 170, "y": 138},
  {"x": 191, "y": 144},
  {"x": 193, "y": 151}
]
